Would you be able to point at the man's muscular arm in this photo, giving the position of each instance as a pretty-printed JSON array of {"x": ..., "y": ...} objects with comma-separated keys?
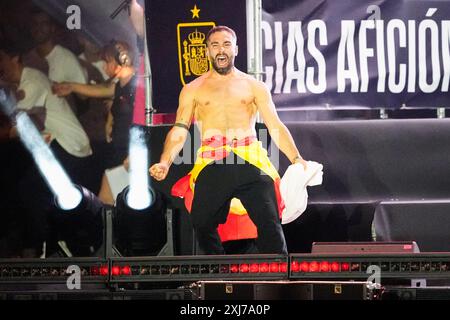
[
  {"x": 278, "y": 131},
  {"x": 177, "y": 135}
]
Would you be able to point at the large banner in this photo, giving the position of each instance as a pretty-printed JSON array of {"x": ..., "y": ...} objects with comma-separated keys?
[
  {"x": 332, "y": 54},
  {"x": 176, "y": 32}
]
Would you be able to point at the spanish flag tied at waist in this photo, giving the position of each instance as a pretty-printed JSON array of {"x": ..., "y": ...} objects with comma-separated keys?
[{"x": 238, "y": 224}]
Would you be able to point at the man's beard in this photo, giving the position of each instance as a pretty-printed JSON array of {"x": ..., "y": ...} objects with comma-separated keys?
[{"x": 223, "y": 70}]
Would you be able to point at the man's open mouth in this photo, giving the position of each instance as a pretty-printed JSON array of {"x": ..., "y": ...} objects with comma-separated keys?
[{"x": 222, "y": 60}]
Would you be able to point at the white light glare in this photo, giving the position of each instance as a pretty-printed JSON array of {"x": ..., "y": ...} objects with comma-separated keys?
[
  {"x": 67, "y": 195},
  {"x": 139, "y": 196}
]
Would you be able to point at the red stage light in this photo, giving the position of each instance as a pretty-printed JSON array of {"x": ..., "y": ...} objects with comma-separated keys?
[
  {"x": 104, "y": 270},
  {"x": 234, "y": 268},
  {"x": 314, "y": 266},
  {"x": 244, "y": 268},
  {"x": 274, "y": 267},
  {"x": 324, "y": 266},
  {"x": 345, "y": 266},
  {"x": 264, "y": 267},
  {"x": 126, "y": 271},
  {"x": 335, "y": 267},
  {"x": 304, "y": 266},
  {"x": 283, "y": 267},
  {"x": 295, "y": 267},
  {"x": 115, "y": 271},
  {"x": 254, "y": 268}
]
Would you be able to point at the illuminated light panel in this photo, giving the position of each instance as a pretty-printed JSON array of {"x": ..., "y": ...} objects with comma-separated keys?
[
  {"x": 295, "y": 267},
  {"x": 104, "y": 270},
  {"x": 274, "y": 267},
  {"x": 304, "y": 266},
  {"x": 264, "y": 267},
  {"x": 335, "y": 267},
  {"x": 324, "y": 266},
  {"x": 314, "y": 266},
  {"x": 115, "y": 271},
  {"x": 254, "y": 268},
  {"x": 234, "y": 268},
  {"x": 345, "y": 266},
  {"x": 244, "y": 268}
]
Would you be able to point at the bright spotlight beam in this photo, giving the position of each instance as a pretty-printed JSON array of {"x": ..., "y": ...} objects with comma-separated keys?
[
  {"x": 67, "y": 195},
  {"x": 139, "y": 196}
]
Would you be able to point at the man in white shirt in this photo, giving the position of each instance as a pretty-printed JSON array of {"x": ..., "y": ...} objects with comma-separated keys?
[
  {"x": 54, "y": 118},
  {"x": 51, "y": 114},
  {"x": 63, "y": 65}
]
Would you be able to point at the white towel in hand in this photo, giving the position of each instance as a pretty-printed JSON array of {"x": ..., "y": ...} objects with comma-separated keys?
[{"x": 293, "y": 188}]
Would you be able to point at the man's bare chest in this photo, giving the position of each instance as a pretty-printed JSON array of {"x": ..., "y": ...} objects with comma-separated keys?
[{"x": 217, "y": 96}]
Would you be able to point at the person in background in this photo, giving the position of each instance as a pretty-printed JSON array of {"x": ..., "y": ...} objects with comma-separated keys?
[
  {"x": 93, "y": 113},
  {"x": 119, "y": 66},
  {"x": 91, "y": 60},
  {"x": 59, "y": 127},
  {"x": 63, "y": 65}
]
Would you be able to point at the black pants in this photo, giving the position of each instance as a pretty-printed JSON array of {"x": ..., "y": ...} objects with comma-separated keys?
[{"x": 216, "y": 185}]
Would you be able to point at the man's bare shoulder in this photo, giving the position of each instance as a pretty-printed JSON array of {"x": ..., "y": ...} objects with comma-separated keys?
[
  {"x": 245, "y": 76},
  {"x": 257, "y": 85},
  {"x": 197, "y": 82}
]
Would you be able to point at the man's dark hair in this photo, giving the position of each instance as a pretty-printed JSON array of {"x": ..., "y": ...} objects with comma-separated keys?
[
  {"x": 221, "y": 28},
  {"x": 110, "y": 51},
  {"x": 35, "y": 10},
  {"x": 38, "y": 10}
]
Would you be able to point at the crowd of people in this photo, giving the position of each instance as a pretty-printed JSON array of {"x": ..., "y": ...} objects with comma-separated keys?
[{"x": 79, "y": 94}]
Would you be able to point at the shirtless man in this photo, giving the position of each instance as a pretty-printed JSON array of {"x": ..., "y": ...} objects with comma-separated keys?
[{"x": 224, "y": 102}]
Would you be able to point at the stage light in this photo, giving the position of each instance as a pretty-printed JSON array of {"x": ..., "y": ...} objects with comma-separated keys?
[
  {"x": 264, "y": 267},
  {"x": 254, "y": 268},
  {"x": 139, "y": 232},
  {"x": 295, "y": 267},
  {"x": 345, "y": 266},
  {"x": 304, "y": 266},
  {"x": 324, "y": 266},
  {"x": 104, "y": 271},
  {"x": 57, "y": 179},
  {"x": 314, "y": 266},
  {"x": 274, "y": 267},
  {"x": 335, "y": 266},
  {"x": 244, "y": 268},
  {"x": 126, "y": 270},
  {"x": 138, "y": 196},
  {"x": 51, "y": 170},
  {"x": 81, "y": 228},
  {"x": 115, "y": 271},
  {"x": 234, "y": 268}
]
